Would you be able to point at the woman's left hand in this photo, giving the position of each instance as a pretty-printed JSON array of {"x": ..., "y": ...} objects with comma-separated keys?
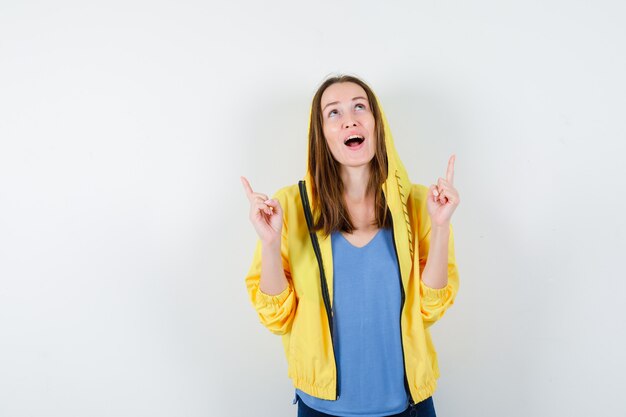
[{"x": 443, "y": 198}]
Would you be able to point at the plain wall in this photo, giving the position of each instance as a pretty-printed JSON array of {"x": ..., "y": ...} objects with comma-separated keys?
[{"x": 124, "y": 231}]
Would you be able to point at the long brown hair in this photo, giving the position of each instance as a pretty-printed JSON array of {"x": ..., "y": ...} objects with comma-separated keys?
[{"x": 331, "y": 213}]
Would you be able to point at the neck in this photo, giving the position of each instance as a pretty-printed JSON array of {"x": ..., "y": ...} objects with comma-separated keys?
[{"x": 355, "y": 180}]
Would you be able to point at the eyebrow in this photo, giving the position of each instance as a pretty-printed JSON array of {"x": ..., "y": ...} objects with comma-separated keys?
[{"x": 335, "y": 102}]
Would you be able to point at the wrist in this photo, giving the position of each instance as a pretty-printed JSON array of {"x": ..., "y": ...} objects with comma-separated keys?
[
  {"x": 443, "y": 226},
  {"x": 270, "y": 246}
]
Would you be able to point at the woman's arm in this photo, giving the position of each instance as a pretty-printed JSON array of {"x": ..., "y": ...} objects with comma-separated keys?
[
  {"x": 269, "y": 279},
  {"x": 273, "y": 279},
  {"x": 435, "y": 274},
  {"x": 439, "y": 277}
]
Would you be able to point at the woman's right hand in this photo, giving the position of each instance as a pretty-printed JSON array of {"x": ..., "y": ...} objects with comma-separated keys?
[{"x": 266, "y": 215}]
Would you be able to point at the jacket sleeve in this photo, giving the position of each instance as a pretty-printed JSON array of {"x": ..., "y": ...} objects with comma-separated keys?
[
  {"x": 275, "y": 312},
  {"x": 434, "y": 301}
]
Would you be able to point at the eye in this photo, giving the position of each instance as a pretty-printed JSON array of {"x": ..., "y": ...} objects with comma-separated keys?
[
  {"x": 360, "y": 106},
  {"x": 332, "y": 112}
]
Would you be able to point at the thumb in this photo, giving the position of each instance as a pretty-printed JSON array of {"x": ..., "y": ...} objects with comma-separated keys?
[{"x": 272, "y": 202}]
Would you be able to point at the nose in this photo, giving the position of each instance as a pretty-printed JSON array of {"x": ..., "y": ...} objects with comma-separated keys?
[{"x": 349, "y": 122}]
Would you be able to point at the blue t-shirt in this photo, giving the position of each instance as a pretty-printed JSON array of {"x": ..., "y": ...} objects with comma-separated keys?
[{"x": 366, "y": 308}]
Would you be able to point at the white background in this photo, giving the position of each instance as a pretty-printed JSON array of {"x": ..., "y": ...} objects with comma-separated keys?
[{"x": 124, "y": 231}]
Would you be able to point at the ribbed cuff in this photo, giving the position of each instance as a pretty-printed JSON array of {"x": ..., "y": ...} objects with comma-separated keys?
[
  {"x": 276, "y": 299},
  {"x": 434, "y": 293}
]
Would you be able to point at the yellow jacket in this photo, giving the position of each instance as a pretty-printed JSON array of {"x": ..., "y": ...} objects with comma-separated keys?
[{"x": 302, "y": 313}]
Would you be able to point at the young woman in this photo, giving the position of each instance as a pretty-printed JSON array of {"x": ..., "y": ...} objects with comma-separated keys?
[{"x": 354, "y": 264}]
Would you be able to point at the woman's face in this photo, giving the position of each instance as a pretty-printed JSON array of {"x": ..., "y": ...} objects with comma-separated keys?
[{"x": 348, "y": 124}]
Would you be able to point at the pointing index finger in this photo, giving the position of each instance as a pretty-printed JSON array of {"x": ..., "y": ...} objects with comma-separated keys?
[
  {"x": 450, "y": 171},
  {"x": 247, "y": 187}
]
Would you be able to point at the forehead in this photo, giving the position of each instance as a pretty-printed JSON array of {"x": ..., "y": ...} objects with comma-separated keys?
[{"x": 342, "y": 92}]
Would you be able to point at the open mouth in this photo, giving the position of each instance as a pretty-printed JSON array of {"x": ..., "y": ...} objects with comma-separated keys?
[{"x": 354, "y": 140}]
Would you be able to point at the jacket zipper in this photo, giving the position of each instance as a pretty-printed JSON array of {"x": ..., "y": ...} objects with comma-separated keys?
[
  {"x": 325, "y": 295},
  {"x": 318, "y": 254},
  {"x": 406, "y": 381}
]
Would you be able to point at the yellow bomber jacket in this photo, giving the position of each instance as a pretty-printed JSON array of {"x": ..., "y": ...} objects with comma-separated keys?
[{"x": 302, "y": 313}]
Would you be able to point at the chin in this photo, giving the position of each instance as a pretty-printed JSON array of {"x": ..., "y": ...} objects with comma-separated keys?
[{"x": 356, "y": 164}]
